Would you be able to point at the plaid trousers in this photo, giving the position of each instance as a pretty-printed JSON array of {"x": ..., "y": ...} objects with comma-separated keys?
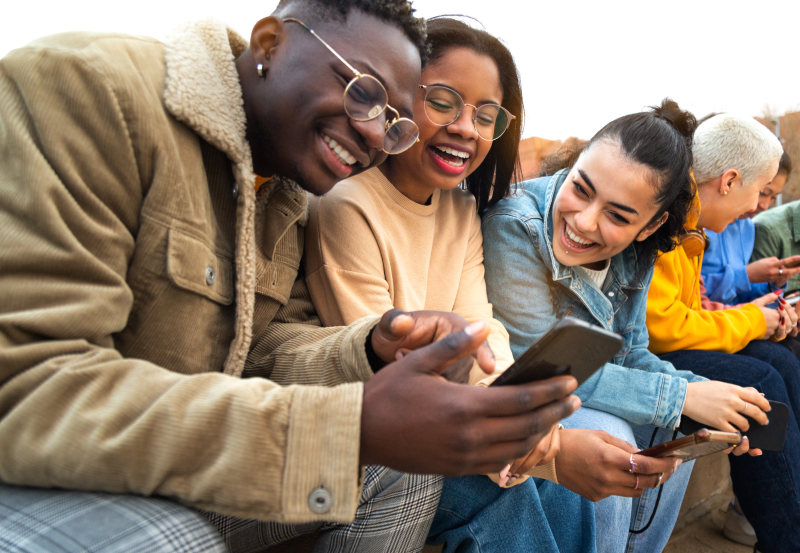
[
  {"x": 394, "y": 516},
  {"x": 35, "y": 520}
]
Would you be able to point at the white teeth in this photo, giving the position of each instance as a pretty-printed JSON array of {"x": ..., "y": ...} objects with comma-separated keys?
[
  {"x": 452, "y": 152},
  {"x": 572, "y": 236},
  {"x": 343, "y": 155}
]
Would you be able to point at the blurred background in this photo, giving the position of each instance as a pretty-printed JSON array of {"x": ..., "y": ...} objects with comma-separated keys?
[{"x": 582, "y": 63}]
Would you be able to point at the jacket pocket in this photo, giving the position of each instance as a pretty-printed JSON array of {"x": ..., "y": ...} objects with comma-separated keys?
[{"x": 193, "y": 266}]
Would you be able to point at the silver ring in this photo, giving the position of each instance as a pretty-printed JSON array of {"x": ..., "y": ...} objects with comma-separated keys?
[
  {"x": 745, "y": 407},
  {"x": 660, "y": 478},
  {"x": 780, "y": 271}
]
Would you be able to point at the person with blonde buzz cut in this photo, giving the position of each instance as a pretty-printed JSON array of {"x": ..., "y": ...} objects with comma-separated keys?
[{"x": 735, "y": 158}]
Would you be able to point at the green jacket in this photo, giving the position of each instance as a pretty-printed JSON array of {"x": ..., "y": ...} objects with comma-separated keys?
[
  {"x": 778, "y": 235},
  {"x": 141, "y": 278}
]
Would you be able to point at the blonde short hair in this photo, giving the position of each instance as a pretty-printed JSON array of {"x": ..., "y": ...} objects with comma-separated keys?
[{"x": 728, "y": 141}]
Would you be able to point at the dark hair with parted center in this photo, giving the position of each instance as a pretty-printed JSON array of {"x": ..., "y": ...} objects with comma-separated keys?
[
  {"x": 492, "y": 180},
  {"x": 396, "y": 12},
  {"x": 785, "y": 164},
  {"x": 661, "y": 140}
]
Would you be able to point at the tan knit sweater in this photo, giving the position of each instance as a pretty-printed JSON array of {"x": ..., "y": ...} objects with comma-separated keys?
[{"x": 371, "y": 249}]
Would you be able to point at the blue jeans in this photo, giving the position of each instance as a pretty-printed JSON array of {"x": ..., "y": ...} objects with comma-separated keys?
[
  {"x": 768, "y": 487},
  {"x": 475, "y": 514}
]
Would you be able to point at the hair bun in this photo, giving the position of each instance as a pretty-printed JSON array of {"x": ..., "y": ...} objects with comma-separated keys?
[{"x": 682, "y": 121}]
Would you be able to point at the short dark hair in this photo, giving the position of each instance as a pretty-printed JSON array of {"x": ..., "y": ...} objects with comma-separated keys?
[
  {"x": 785, "y": 165},
  {"x": 396, "y": 12},
  {"x": 660, "y": 139},
  {"x": 492, "y": 180}
]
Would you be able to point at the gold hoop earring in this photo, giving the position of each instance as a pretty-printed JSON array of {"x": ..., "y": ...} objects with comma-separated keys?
[{"x": 261, "y": 72}]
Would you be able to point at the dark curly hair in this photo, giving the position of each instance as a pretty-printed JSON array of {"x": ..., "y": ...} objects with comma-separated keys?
[
  {"x": 785, "y": 166},
  {"x": 492, "y": 180},
  {"x": 660, "y": 139},
  {"x": 396, "y": 12}
]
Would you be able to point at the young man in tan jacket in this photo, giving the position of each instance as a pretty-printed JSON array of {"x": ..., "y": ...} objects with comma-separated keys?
[{"x": 154, "y": 338}]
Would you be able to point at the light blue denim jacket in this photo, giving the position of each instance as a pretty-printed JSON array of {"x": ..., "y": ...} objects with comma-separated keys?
[{"x": 530, "y": 291}]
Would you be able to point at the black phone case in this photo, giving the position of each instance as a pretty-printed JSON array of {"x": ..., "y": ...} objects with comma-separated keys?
[
  {"x": 571, "y": 346},
  {"x": 770, "y": 437}
]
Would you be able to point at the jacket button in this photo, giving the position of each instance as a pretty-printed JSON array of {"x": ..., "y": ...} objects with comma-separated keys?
[
  {"x": 611, "y": 294},
  {"x": 320, "y": 501},
  {"x": 211, "y": 275}
]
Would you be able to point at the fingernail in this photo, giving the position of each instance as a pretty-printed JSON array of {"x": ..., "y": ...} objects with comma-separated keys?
[
  {"x": 766, "y": 423},
  {"x": 762, "y": 395},
  {"x": 779, "y": 292},
  {"x": 511, "y": 481},
  {"x": 503, "y": 481},
  {"x": 475, "y": 328},
  {"x": 504, "y": 472},
  {"x": 759, "y": 454}
]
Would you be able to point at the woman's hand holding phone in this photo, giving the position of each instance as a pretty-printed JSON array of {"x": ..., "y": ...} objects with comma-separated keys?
[
  {"x": 720, "y": 405},
  {"x": 771, "y": 316},
  {"x": 772, "y": 269},
  {"x": 595, "y": 465}
]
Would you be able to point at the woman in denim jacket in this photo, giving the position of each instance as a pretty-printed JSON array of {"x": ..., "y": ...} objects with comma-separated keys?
[{"x": 619, "y": 203}]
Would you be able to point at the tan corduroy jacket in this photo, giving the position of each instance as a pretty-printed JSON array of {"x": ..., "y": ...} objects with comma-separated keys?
[{"x": 129, "y": 310}]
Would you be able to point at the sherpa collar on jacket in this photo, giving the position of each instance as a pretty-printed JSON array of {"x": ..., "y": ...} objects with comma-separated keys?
[{"x": 202, "y": 90}]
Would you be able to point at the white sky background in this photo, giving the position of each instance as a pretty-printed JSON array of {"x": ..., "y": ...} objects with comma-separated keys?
[{"x": 582, "y": 63}]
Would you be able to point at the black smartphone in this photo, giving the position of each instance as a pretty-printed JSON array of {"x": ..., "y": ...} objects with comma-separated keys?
[
  {"x": 571, "y": 346},
  {"x": 769, "y": 437},
  {"x": 698, "y": 444}
]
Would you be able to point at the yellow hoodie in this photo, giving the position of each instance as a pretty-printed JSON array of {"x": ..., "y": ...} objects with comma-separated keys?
[{"x": 676, "y": 321}]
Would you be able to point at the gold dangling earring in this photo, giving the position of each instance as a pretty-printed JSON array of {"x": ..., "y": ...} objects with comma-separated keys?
[{"x": 261, "y": 72}]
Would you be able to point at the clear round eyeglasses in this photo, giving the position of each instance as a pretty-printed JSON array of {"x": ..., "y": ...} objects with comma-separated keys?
[
  {"x": 443, "y": 106},
  {"x": 365, "y": 98}
]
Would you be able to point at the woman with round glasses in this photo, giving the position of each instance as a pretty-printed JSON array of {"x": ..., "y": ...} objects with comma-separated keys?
[{"x": 405, "y": 235}]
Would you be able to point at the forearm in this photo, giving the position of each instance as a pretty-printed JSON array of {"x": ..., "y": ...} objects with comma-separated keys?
[{"x": 249, "y": 448}]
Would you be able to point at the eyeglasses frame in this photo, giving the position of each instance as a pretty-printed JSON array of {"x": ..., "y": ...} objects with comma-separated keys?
[
  {"x": 359, "y": 75},
  {"x": 475, "y": 108}
]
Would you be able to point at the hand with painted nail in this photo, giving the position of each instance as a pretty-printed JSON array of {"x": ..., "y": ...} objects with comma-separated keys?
[
  {"x": 414, "y": 420},
  {"x": 771, "y": 316},
  {"x": 595, "y": 465},
  {"x": 723, "y": 406},
  {"x": 398, "y": 333}
]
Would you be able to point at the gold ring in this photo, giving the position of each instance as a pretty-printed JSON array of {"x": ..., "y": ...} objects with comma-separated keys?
[{"x": 660, "y": 478}]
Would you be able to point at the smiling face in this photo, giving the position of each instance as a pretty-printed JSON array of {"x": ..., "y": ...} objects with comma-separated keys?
[
  {"x": 719, "y": 209},
  {"x": 445, "y": 156},
  {"x": 767, "y": 196},
  {"x": 296, "y": 122},
  {"x": 604, "y": 205}
]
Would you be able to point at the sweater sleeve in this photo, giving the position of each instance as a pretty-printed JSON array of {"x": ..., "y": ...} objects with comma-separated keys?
[
  {"x": 472, "y": 303},
  {"x": 673, "y": 325},
  {"x": 74, "y": 412},
  {"x": 344, "y": 262}
]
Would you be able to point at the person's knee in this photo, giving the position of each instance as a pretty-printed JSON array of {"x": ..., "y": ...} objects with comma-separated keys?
[{"x": 591, "y": 419}]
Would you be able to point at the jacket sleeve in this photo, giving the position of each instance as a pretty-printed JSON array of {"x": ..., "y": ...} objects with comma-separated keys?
[
  {"x": 767, "y": 244},
  {"x": 473, "y": 304},
  {"x": 517, "y": 283},
  {"x": 74, "y": 413},
  {"x": 674, "y": 326}
]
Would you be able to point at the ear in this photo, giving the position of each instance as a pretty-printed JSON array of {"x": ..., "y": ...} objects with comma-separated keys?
[
  {"x": 265, "y": 38},
  {"x": 727, "y": 180},
  {"x": 648, "y": 231}
]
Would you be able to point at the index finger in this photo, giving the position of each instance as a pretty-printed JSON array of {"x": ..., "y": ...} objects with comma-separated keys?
[
  {"x": 655, "y": 465},
  {"x": 498, "y": 401}
]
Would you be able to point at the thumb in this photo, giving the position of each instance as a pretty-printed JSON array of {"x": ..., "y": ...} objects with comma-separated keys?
[
  {"x": 395, "y": 324},
  {"x": 765, "y": 300},
  {"x": 436, "y": 357}
]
